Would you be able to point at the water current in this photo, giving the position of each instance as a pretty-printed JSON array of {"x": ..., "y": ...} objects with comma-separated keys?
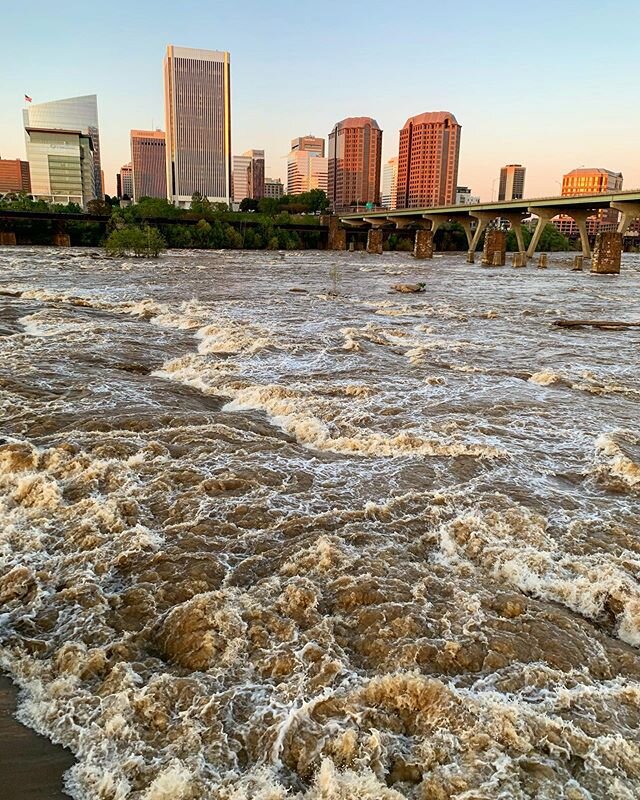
[{"x": 260, "y": 541}]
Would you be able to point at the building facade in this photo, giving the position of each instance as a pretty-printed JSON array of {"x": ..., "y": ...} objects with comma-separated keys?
[
  {"x": 273, "y": 188},
  {"x": 306, "y": 165},
  {"x": 197, "y": 86},
  {"x": 389, "y": 183},
  {"x": 149, "y": 164},
  {"x": 428, "y": 160},
  {"x": 355, "y": 154},
  {"x": 14, "y": 176},
  {"x": 248, "y": 175},
  {"x": 71, "y": 114},
  {"x": 61, "y": 166},
  {"x": 465, "y": 198},
  {"x": 511, "y": 182},
  {"x": 590, "y": 180},
  {"x": 125, "y": 181}
]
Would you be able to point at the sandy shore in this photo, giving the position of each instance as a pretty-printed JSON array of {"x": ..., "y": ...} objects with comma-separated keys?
[{"x": 32, "y": 767}]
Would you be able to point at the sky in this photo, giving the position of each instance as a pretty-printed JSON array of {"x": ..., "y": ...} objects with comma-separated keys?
[{"x": 550, "y": 85}]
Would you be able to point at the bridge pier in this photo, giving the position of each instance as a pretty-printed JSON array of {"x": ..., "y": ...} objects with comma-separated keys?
[
  {"x": 495, "y": 247},
  {"x": 629, "y": 212},
  {"x": 580, "y": 218},
  {"x": 337, "y": 237},
  {"x": 7, "y": 238},
  {"x": 61, "y": 240},
  {"x": 374, "y": 241},
  {"x": 607, "y": 254},
  {"x": 545, "y": 215},
  {"x": 515, "y": 221},
  {"x": 484, "y": 218},
  {"x": 423, "y": 244}
]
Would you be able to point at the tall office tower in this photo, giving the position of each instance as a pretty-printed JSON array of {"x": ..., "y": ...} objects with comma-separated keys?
[
  {"x": 355, "y": 152},
  {"x": 197, "y": 87},
  {"x": 310, "y": 144},
  {"x": 306, "y": 165},
  {"x": 389, "y": 183},
  {"x": 511, "y": 182},
  {"x": 14, "y": 176},
  {"x": 126, "y": 181},
  {"x": 149, "y": 163},
  {"x": 78, "y": 114},
  {"x": 590, "y": 180},
  {"x": 273, "y": 188},
  {"x": 428, "y": 160},
  {"x": 248, "y": 175}
]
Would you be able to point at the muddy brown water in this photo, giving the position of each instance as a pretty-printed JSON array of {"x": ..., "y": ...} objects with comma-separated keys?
[{"x": 260, "y": 542}]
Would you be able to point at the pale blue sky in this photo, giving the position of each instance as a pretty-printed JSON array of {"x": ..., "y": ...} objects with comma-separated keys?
[{"x": 551, "y": 85}]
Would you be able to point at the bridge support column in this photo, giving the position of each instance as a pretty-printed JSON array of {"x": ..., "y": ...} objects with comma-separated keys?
[
  {"x": 484, "y": 218},
  {"x": 580, "y": 218},
  {"x": 423, "y": 244},
  {"x": 629, "y": 211},
  {"x": 515, "y": 221},
  {"x": 61, "y": 240},
  {"x": 436, "y": 221},
  {"x": 495, "y": 246},
  {"x": 374, "y": 241},
  {"x": 607, "y": 254},
  {"x": 7, "y": 237},
  {"x": 337, "y": 239},
  {"x": 545, "y": 215}
]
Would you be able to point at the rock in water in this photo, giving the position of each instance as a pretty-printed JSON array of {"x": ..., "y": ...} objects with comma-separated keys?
[{"x": 408, "y": 288}]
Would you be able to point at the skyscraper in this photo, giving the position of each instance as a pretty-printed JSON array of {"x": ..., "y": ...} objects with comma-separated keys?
[
  {"x": 78, "y": 114},
  {"x": 389, "y": 183},
  {"x": 197, "y": 88},
  {"x": 248, "y": 175},
  {"x": 310, "y": 144},
  {"x": 428, "y": 160},
  {"x": 306, "y": 165},
  {"x": 511, "y": 182},
  {"x": 126, "y": 181},
  {"x": 149, "y": 163},
  {"x": 355, "y": 152}
]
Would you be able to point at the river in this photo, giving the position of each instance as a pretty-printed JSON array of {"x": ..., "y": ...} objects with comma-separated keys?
[{"x": 272, "y": 530}]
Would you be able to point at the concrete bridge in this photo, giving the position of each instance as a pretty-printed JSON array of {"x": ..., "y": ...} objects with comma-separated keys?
[{"x": 475, "y": 219}]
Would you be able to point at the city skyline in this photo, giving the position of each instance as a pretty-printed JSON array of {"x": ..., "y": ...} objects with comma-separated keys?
[{"x": 540, "y": 126}]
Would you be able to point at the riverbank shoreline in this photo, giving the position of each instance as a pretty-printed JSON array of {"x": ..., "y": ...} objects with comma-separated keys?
[{"x": 32, "y": 766}]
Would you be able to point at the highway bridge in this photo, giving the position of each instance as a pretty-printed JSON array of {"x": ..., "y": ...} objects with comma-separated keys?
[{"x": 476, "y": 218}]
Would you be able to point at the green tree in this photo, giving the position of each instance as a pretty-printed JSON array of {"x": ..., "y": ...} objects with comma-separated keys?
[
  {"x": 269, "y": 206},
  {"x": 143, "y": 242},
  {"x": 99, "y": 207},
  {"x": 248, "y": 204},
  {"x": 202, "y": 235}
]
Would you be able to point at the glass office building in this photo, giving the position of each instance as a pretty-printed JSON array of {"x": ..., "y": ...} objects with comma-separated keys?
[{"x": 71, "y": 114}]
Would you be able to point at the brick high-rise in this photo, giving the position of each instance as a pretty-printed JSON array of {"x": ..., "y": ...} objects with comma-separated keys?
[
  {"x": 14, "y": 176},
  {"x": 355, "y": 152},
  {"x": 428, "y": 160},
  {"x": 148, "y": 160},
  {"x": 590, "y": 180}
]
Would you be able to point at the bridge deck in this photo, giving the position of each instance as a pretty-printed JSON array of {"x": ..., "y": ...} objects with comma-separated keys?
[{"x": 586, "y": 201}]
